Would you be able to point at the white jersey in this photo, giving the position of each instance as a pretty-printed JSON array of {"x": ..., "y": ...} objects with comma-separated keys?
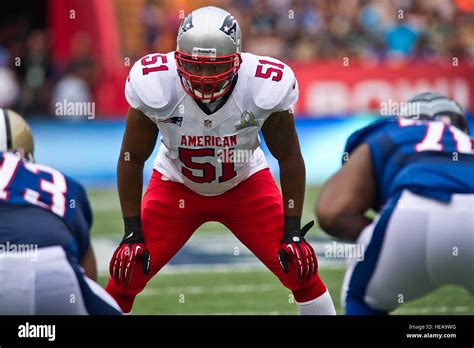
[
  {"x": 210, "y": 153},
  {"x": 437, "y": 242}
]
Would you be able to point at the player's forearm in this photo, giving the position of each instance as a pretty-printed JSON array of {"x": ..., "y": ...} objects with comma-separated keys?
[
  {"x": 88, "y": 262},
  {"x": 345, "y": 226},
  {"x": 293, "y": 182},
  {"x": 338, "y": 214},
  {"x": 130, "y": 184}
]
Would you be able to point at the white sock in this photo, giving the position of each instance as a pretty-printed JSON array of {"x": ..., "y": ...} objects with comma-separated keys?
[{"x": 322, "y": 305}]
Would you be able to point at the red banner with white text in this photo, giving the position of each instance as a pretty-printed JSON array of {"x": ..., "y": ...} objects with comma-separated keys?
[{"x": 335, "y": 89}]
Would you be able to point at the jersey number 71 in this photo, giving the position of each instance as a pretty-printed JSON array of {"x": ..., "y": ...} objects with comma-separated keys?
[{"x": 434, "y": 135}]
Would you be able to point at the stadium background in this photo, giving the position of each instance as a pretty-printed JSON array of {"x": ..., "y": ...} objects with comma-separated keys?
[{"x": 349, "y": 57}]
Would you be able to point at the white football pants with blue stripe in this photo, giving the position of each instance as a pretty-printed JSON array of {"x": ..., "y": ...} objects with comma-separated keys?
[
  {"x": 45, "y": 283},
  {"x": 415, "y": 246}
]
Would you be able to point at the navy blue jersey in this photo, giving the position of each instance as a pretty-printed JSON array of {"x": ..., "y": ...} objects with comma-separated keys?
[
  {"x": 431, "y": 159},
  {"x": 39, "y": 205}
]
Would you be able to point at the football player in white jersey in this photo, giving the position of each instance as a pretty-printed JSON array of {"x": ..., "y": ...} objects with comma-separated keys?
[{"x": 209, "y": 101}]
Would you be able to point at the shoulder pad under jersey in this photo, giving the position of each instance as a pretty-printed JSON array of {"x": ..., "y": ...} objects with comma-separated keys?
[
  {"x": 151, "y": 85},
  {"x": 360, "y": 136},
  {"x": 273, "y": 83}
]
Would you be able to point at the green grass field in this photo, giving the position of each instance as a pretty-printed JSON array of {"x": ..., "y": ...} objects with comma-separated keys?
[
  {"x": 244, "y": 291},
  {"x": 259, "y": 292}
]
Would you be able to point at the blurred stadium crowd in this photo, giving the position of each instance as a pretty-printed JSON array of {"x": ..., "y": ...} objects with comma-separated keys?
[
  {"x": 30, "y": 82},
  {"x": 315, "y": 29},
  {"x": 295, "y": 30}
]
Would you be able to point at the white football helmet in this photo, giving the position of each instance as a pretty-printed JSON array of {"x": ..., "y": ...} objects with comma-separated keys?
[{"x": 208, "y": 52}]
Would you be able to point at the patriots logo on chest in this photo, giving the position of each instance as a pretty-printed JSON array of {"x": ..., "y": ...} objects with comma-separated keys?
[{"x": 177, "y": 120}]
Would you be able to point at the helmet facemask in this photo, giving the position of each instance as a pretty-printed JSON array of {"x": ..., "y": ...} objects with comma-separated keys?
[
  {"x": 207, "y": 78},
  {"x": 208, "y": 53}
]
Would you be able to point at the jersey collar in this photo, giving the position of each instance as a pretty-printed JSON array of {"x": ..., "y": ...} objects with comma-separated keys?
[{"x": 223, "y": 100}]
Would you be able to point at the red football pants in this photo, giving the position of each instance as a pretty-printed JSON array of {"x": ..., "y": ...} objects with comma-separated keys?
[{"x": 253, "y": 211}]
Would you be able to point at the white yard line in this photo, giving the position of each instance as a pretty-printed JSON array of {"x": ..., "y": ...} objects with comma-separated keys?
[
  {"x": 222, "y": 289},
  {"x": 236, "y": 313},
  {"x": 440, "y": 310},
  {"x": 225, "y": 268}
]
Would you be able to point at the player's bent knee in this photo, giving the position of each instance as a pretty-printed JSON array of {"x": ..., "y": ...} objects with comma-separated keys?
[
  {"x": 304, "y": 291},
  {"x": 121, "y": 295}
]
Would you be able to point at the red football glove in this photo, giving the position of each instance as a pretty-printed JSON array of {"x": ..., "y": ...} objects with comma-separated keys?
[
  {"x": 130, "y": 251},
  {"x": 293, "y": 246}
]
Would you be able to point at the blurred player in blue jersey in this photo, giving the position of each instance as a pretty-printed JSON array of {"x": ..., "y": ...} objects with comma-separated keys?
[
  {"x": 417, "y": 172},
  {"x": 46, "y": 260}
]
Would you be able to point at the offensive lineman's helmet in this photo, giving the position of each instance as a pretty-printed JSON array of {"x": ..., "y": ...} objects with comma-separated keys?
[
  {"x": 208, "y": 52},
  {"x": 15, "y": 134},
  {"x": 434, "y": 106}
]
